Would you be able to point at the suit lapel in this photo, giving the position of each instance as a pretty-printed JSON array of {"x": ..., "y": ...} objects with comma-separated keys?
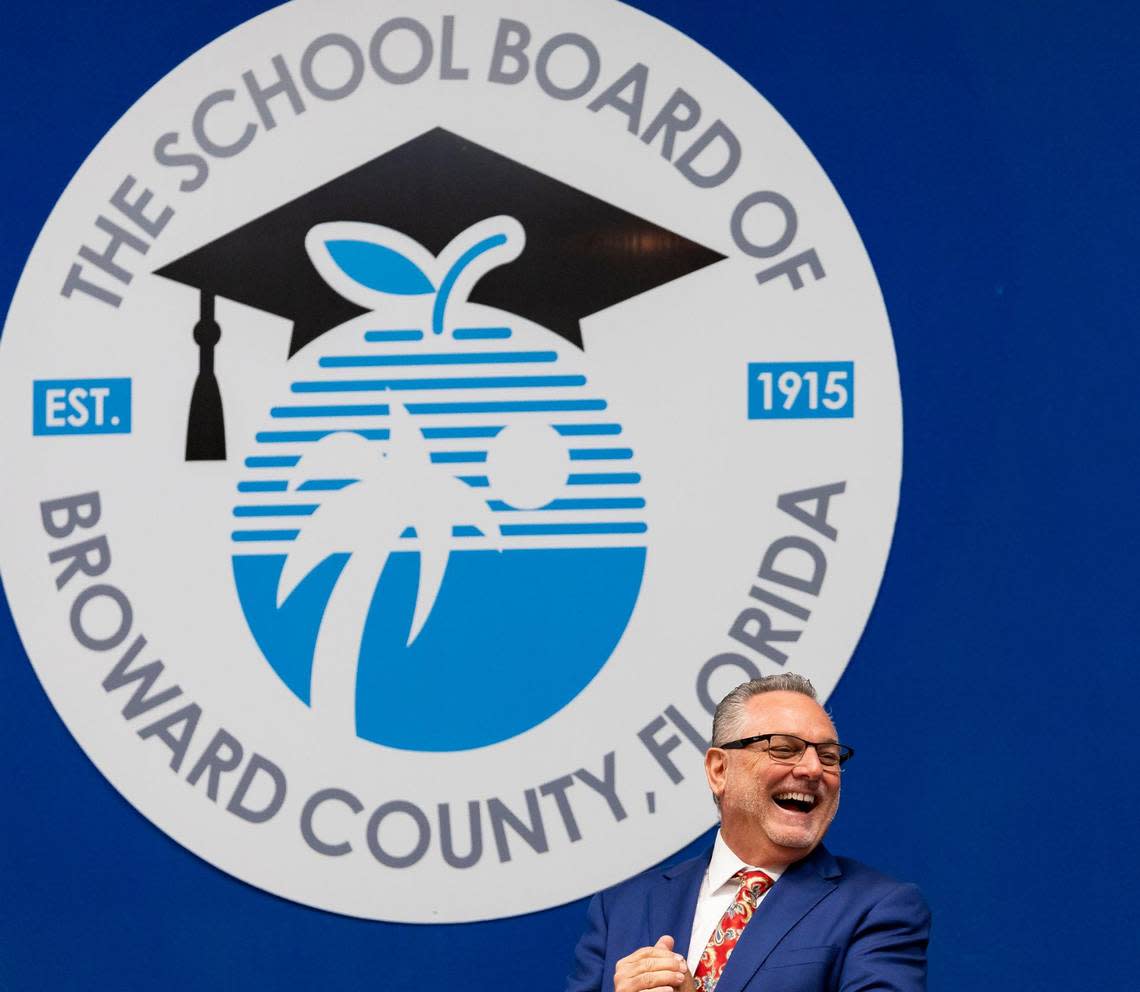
[
  {"x": 794, "y": 895},
  {"x": 674, "y": 900}
]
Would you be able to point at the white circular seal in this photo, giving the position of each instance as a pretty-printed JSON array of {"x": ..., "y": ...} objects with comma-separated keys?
[{"x": 413, "y": 420}]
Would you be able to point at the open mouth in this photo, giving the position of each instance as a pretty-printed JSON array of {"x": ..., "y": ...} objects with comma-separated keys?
[{"x": 795, "y": 802}]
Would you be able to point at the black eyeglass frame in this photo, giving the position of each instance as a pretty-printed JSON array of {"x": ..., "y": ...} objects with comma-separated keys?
[{"x": 846, "y": 753}]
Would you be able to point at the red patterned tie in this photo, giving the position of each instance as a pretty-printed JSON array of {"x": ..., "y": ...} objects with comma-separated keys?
[{"x": 753, "y": 884}]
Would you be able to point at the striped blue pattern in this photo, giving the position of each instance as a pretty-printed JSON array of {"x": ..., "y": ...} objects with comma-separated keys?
[{"x": 355, "y": 418}]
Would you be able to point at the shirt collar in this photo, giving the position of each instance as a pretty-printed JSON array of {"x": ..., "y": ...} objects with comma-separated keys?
[{"x": 724, "y": 864}]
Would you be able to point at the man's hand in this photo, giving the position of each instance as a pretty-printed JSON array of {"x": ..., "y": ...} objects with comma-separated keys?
[{"x": 653, "y": 969}]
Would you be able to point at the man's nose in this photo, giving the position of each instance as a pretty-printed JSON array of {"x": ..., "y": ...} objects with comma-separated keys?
[{"x": 809, "y": 765}]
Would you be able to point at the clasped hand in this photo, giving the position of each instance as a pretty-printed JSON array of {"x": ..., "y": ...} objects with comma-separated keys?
[{"x": 654, "y": 969}]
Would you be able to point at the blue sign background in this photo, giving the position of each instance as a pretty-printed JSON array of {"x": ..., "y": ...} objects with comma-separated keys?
[
  {"x": 81, "y": 406},
  {"x": 987, "y": 156},
  {"x": 800, "y": 390}
]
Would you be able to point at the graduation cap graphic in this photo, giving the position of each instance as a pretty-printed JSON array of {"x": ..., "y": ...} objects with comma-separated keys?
[{"x": 582, "y": 254}]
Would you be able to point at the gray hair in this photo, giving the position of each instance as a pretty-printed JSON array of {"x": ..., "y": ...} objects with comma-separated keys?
[{"x": 729, "y": 714}]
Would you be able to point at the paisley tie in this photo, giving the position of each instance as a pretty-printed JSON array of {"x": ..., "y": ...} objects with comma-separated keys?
[{"x": 753, "y": 884}]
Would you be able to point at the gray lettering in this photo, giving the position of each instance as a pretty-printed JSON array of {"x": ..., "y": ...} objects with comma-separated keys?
[
  {"x": 448, "y": 846},
  {"x": 753, "y": 628},
  {"x": 355, "y": 58},
  {"x": 75, "y": 281},
  {"x": 163, "y": 156},
  {"x": 125, "y": 616},
  {"x": 712, "y": 666},
  {"x": 262, "y": 95},
  {"x": 794, "y": 609},
  {"x": 792, "y": 504},
  {"x": 207, "y": 144},
  {"x": 557, "y": 788},
  {"x": 426, "y": 50},
  {"x": 542, "y": 62},
  {"x": 534, "y": 834},
  {"x": 680, "y": 113},
  {"x": 791, "y": 223},
  {"x": 604, "y": 786},
  {"x": 122, "y": 674},
  {"x": 163, "y": 729},
  {"x": 686, "y": 728},
  {"x": 213, "y": 763},
  {"x": 811, "y": 584},
  {"x": 309, "y": 811},
  {"x": 718, "y": 130},
  {"x": 418, "y": 818},
  {"x": 510, "y": 42},
  {"x": 82, "y": 510},
  {"x": 135, "y": 210},
  {"x": 258, "y": 765},
  {"x": 447, "y": 69},
  {"x": 660, "y": 749},
  {"x": 91, "y": 557},
  {"x": 791, "y": 268},
  {"x": 636, "y": 76},
  {"x": 105, "y": 260}
]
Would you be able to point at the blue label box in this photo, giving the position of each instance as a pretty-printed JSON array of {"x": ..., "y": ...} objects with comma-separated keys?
[
  {"x": 81, "y": 406},
  {"x": 801, "y": 390}
]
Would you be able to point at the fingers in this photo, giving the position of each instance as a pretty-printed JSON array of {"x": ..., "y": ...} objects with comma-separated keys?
[
  {"x": 651, "y": 968},
  {"x": 659, "y": 956},
  {"x": 650, "y": 981}
]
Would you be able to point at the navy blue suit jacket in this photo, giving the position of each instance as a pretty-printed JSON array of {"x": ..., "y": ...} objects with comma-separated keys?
[{"x": 828, "y": 924}]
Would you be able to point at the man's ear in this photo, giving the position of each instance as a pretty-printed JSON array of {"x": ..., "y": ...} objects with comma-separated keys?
[{"x": 716, "y": 769}]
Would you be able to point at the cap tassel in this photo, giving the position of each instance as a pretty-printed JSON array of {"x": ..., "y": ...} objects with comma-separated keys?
[{"x": 206, "y": 427}]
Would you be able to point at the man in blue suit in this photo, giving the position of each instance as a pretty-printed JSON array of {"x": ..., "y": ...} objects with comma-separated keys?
[{"x": 800, "y": 919}]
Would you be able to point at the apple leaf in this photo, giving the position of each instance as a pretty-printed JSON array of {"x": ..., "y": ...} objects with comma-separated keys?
[{"x": 379, "y": 268}]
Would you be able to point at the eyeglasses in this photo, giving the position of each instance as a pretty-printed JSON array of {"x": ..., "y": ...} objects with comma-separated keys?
[{"x": 787, "y": 749}]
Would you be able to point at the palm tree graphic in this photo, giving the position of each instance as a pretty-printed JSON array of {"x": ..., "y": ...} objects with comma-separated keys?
[
  {"x": 394, "y": 490},
  {"x": 390, "y": 490}
]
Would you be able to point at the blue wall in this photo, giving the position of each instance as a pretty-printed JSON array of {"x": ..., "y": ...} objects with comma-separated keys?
[{"x": 988, "y": 153}]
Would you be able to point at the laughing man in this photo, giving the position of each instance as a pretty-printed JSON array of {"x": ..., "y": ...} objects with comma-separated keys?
[{"x": 820, "y": 922}]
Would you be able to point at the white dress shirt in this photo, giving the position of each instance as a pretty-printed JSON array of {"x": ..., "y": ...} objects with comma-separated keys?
[{"x": 717, "y": 890}]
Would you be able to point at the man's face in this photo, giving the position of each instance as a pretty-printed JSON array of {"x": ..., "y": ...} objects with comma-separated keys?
[{"x": 773, "y": 814}]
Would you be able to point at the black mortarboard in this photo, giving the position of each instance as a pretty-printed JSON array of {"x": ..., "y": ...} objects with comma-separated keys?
[{"x": 582, "y": 254}]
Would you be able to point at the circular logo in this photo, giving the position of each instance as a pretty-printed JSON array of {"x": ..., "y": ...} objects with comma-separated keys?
[{"x": 414, "y": 422}]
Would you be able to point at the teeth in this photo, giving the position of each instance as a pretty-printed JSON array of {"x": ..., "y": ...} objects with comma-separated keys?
[{"x": 802, "y": 797}]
